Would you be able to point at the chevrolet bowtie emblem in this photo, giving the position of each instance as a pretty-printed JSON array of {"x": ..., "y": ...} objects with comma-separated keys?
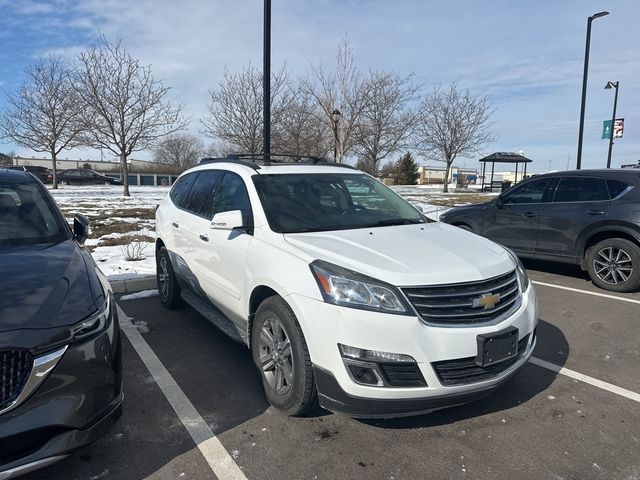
[{"x": 488, "y": 300}]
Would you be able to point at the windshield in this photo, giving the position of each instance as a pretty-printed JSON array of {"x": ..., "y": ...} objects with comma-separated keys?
[
  {"x": 297, "y": 203},
  {"x": 27, "y": 216}
]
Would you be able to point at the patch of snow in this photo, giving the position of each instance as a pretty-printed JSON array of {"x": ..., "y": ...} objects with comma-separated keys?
[
  {"x": 112, "y": 263},
  {"x": 551, "y": 397},
  {"x": 142, "y": 294},
  {"x": 142, "y": 326}
]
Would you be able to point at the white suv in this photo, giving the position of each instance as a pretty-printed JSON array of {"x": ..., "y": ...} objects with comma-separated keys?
[{"x": 345, "y": 293}]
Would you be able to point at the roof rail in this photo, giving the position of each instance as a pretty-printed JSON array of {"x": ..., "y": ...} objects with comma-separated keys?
[{"x": 256, "y": 160}]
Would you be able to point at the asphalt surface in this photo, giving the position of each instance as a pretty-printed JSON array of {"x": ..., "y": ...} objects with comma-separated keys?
[{"x": 541, "y": 425}]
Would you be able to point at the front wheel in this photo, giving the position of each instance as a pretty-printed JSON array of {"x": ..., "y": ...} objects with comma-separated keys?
[
  {"x": 166, "y": 278},
  {"x": 280, "y": 352},
  {"x": 614, "y": 264}
]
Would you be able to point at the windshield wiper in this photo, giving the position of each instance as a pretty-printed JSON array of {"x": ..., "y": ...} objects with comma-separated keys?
[{"x": 396, "y": 221}]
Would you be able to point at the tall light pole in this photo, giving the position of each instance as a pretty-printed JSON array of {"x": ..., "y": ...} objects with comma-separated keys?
[
  {"x": 584, "y": 84},
  {"x": 335, "y": 118},
  {"x": 609, "y": 86},
  {"x": 266, "y": 88}
]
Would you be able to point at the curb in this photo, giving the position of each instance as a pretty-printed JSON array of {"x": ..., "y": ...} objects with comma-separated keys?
[{"x": 131, "y": 285}]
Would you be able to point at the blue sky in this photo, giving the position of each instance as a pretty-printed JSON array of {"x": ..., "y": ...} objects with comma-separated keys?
[{"x": 526, "y": 55}]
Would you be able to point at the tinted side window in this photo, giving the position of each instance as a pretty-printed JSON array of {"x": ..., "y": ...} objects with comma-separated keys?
[
  {"x": 616, "y": 187},
  {"x": 581, "y": 189},
  {"x": 232, "y": 195},
  {"x": 180, "y": 190},
  {"x": 203, "y": 192},
  {"x": 535, "y": 191}
]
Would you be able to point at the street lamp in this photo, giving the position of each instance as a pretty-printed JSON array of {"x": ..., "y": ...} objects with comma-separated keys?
[
  {"x": 609, "y": 86},
  {"x": 335, "y": 118},
  {"x": 584, "y": 84}
]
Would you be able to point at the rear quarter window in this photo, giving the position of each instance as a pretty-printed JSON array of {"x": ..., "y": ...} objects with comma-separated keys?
[
  {"x": 616, "y": 187},
  {"x": 180, "y": 191}
]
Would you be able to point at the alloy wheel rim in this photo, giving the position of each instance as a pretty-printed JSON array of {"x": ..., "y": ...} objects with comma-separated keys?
[
  {"x": 163, "y": 277},
  {"x": 276, "y": 357},
  {"x": 613, "y": 265}
]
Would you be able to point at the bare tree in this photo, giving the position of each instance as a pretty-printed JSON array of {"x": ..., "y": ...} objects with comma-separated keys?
[
  {"x": 179, "y": 151},
  {"x": 344, "y": 92},
  {"x": 45, "y": 113},
  {"x": 387, "y": 118},
  {"x": 300, "y": 128},
  {"x": 235, "y": 108},
  {"x": 453, "y": 123},
  {"x": 127, "y": 108}
]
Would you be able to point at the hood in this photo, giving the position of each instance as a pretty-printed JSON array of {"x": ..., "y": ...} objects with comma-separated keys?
[
  {"x": 45, "y": 286},
  {"x": 425, "y": 254}
]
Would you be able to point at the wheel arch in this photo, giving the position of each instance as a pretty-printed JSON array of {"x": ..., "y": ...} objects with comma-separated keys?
[
  {"x": 602, "y": 233},
  {"x": 258, "y": 295}
]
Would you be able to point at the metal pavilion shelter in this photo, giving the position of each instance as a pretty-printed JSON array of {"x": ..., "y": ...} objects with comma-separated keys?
[{"x": 503, "y": 157}]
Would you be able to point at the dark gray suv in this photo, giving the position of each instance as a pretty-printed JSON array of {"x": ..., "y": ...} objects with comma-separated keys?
[{"x": 587, "y": 217}]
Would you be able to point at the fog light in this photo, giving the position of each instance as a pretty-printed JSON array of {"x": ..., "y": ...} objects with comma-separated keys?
[
  {"x": 364, "y": 375},
  {"x": 373, "y": 355}
]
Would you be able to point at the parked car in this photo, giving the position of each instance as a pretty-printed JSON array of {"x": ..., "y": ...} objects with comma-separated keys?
[
  {"x": 585, "y": 217},
  {"x": 345, "y": 293},
  {"x": 60, "y": 348},
  {"x": 84, "y": 176},
  {"x": 44, "y": 174}
]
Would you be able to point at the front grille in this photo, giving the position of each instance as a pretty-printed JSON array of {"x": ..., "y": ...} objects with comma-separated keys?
[
  {"x": 402, "y": 374},
  {"x": 465, "y": 370},
  {"x": 454, "y": 303},
  {"x": 15, "y": 367}
]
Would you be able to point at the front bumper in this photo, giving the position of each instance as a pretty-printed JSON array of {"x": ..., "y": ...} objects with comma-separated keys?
[
  {"x": 325, "y": 326},
  {"x": 77, "y": 403}
]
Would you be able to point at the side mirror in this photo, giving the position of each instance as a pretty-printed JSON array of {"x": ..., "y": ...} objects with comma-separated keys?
[
  {"x": 80, "y": 228},
  {"x": 499, "y": 202},
  {"x": 227, "y": 220}
]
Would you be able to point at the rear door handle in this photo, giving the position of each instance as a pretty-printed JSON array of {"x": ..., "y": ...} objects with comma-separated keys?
[
  {"x": 530, "y": 214},
  {"x": 595, "y": 212},
  {"x": 175, "y": 225},
  {"x": 204, "y": 238}
]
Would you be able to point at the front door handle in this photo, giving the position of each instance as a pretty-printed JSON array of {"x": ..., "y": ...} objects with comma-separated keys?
[
  {"x": 175, "y": 225},
  {"x": 530, "y": 214},
  {"x": 595, "y": 212},
  {"x": 204, "y": 238}
]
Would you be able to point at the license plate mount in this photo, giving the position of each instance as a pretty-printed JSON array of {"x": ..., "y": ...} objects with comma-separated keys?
[{"x": 497, "y": 347}]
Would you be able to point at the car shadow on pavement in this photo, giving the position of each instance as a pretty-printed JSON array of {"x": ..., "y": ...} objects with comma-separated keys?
[
  {"x": 528, "y": 383},
  {"x": 564, "y": 269}
]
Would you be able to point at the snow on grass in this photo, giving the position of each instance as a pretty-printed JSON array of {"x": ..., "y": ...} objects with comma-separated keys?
[
  {"x": 111, "y": 260},
  {"x": 142, "y": 294}
]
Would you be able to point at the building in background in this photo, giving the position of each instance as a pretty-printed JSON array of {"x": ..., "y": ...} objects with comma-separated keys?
[
  {"x": 141, "y": 172},
  {"x": 435, "y": 175}
]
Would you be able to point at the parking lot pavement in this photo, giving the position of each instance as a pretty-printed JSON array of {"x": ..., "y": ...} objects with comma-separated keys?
[
  {"x": 148, "y": 442},
  {"x": 541, "y": 425}
]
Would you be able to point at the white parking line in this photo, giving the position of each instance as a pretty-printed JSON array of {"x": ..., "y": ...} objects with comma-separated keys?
[
  {"x": 214, "y": 453},
  {"x": 587, "y": 292},
  {"x": 623, "y": 392}
]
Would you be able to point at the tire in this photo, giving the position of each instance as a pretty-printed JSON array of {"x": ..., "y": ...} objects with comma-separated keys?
[
  {"x": 614, "y": 264},
  {"x": 166, "y": 278},
  {"x": 63, "y": 183},
  {"x": 275, "y": 326}
]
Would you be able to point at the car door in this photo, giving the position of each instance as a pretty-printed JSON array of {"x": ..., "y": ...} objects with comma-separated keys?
[
  {"x": 512, "y": 219},
  {"x": 193, "y": 227},
  {"x": 220, "y": 254},
  {"x": 169, "y": 222},
  {"x": 578, "y": 202}
]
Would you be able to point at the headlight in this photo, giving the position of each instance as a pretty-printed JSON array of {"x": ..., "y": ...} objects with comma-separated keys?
[
  {"x": 94, "y": 323},
  {"x": 350, "y": 289},
  {"x": 523, "y": 276}
]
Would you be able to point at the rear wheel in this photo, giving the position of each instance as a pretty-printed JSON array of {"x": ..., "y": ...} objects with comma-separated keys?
[
  {"x": 614, "y": 264},
  {"x": 63, "y": 183},
  {"x": 280, "y": 352},
  {"x": 166, "y": 278}
]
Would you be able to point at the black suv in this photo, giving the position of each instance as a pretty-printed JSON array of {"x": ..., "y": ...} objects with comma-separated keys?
[
  {"x": 60, "y": 348},
  {"x": 43, "y": 173},
  {"x": 587, "y": 217}
]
